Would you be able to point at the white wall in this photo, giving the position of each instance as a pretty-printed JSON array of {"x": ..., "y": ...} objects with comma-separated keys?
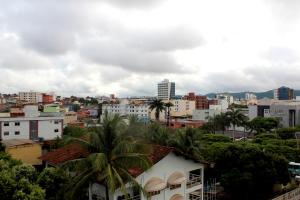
[
  {"x": 46, "y": 127},
  {"x": 23, "y": 128}
]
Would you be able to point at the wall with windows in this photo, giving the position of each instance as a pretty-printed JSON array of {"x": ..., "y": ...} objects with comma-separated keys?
[{"x": 18, "y": 128}]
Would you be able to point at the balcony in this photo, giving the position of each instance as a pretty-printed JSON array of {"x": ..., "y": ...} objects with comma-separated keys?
[
  {"x": 194, "y": 180},
  {"x": 196, "y": 195}
]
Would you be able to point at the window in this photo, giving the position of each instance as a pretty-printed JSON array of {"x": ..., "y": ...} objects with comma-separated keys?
[
  {"x": 56, "y": 122},
  {"x": 17, "y": 123},
  {"x": 6, "y": 123},
  {"x": 17, "y": 132},
  {"x": 56, "y": 130},
  {"x": 6, "y": 133}
]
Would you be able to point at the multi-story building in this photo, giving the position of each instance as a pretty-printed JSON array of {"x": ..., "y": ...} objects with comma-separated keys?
[
  {"x": 250, "y": 96},
  {"x": 127, "y": 107},
  {"x": 287, "y": 112},
  {"x": 284, "y": 93},
  {"x": 166, "y": 90},
  {"x": 201, "y": 102},
  {"x": 47, "y": 98},
  {"x": 31, "y": 97},
  {"x": 229, "y": 98},
  {"x": 32, "y": 125}
]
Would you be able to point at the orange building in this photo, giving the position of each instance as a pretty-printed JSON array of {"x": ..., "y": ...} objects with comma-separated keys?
[
  {"x": 47, "y": 98},
  {"x": 201, "y": 102}
]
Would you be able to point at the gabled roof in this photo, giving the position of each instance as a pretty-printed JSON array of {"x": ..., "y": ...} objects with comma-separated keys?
[{"x": 69, "y": 152}]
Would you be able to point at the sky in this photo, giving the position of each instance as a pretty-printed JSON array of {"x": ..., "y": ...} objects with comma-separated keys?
[{"x": 125, "y": 47}]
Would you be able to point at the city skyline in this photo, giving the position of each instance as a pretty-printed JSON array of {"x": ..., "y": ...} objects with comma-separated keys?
[{"x": 102, "y": 47}]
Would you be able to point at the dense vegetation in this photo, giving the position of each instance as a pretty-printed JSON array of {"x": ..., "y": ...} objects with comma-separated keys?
[
  {"x": 246, "y": 169},
  {"x": 19, "y": 181}
]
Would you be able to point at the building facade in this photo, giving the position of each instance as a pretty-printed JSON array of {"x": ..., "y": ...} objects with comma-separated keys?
[
  {"x": 201, "y": 102},
  {"x": 127, "y": 107},
  {"x": 32, "y": 125},
  {"x": 31, "y": 97},
  {"x": 284, "y": 93},
  {"x": 166, "y": 90}
]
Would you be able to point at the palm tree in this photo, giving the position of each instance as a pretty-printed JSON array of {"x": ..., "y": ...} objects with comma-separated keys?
[
  {"x": 222, "y": 121},
  {"x": 236, "y": 118},
  {"x": 112, "y": 154},
  {"x": 158, "y": 105},
  {"x": 168, "y": 106},
  {"x": 186, "y": 141}
]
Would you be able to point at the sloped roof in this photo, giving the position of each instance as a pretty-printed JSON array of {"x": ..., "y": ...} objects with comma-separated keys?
[
  {"x": 69, "y": 152},
  {"x": 17, "y": 142}
]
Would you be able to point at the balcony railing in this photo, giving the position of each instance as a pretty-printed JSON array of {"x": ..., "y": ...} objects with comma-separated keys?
[
  {"x": 196, "y": 195},
  {"x": 194, "y": 180}
]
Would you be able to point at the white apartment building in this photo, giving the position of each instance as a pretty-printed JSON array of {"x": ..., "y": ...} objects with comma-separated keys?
[
  {"x": 31, "y": 97},
  {"x": 127, "y": 107},
  {"x": 180, "y": 108},
  {"x": 33, "y": 125},
  {"x": 171, "y": 177},
  {"x": 166, "y": 90},
  {"x": 250, "y": 96}
]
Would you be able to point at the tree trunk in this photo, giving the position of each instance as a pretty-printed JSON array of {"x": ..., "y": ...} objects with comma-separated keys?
[
  {"x": 106, "y": 192},
  {"x": 233, "y": 133}
]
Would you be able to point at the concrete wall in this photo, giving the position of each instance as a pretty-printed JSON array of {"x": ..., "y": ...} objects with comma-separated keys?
[
  {"x": 46, "y": 127},
  {"x": 28, "y": 153}
]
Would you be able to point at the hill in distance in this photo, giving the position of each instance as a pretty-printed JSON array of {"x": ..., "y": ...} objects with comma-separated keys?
[{"x": 260, "y": 95}]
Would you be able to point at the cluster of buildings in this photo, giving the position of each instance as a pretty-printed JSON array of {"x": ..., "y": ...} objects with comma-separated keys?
[{"x": 30, "y": 119}]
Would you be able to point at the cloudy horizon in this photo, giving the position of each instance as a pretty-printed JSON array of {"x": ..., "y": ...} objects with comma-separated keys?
[{"x": 125, "y": 47}]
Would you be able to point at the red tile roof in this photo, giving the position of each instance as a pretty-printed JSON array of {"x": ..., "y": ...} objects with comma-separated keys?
[
  {"x": 157, "y": 154},
  {"x": 75, "y": 151},
  {"x": 64, "y": 154}
]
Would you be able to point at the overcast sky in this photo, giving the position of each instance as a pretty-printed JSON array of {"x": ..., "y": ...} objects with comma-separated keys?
[{"x": 99, "y": 47}]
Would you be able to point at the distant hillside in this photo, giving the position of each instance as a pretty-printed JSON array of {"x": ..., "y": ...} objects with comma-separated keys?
[{"x": 260, "y": 95}]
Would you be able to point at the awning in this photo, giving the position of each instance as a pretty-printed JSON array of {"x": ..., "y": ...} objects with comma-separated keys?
[
  {"x": 177, "y": 197},
  {"x": 176, "y": 178},
  {"x": 155, "y": 184}
]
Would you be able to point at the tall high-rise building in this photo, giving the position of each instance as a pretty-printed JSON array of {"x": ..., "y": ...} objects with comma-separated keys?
[
  {"x": 166, "y": 90},
  {"x": 284, "y": 93}
]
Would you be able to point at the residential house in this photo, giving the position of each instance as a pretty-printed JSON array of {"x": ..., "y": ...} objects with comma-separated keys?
[{"x": 172, "y": 176}]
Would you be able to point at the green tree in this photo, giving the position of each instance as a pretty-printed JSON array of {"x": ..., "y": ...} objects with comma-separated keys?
[
  {"x": 53, "y": 181},
  {"x": 158, "y": 106},
  {"x": 158, "y": 134},
  {"x": 236, "y": 118},
  {"x": 187, "y": 142},
  {"x": 247, "y": 172},
  {"x": 112, "y": 154},
  {"x": 261, "y": 124}
]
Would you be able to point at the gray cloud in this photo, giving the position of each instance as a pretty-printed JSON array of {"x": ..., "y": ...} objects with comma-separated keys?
[
  {"x": 133, "y": 3},
  {"x": 281, "y": 54},
  {"x": 142, "y": 51}
]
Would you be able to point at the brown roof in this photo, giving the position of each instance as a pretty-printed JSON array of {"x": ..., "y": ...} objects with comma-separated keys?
[
  {"x": 69, "y": 152},
  {"x": 157, "y": 154},
  {"x": 75, "y": 151},
  {"x": 17, "y": 142}
]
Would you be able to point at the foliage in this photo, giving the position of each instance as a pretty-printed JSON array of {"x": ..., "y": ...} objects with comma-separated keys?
[
  {"x": 158, "y": 134},
  {"x": 112, "y": 154},
  {"x": 247, "y": 172},
  {"x": 262, "y": 124},
  {"x": 53, "y": 180},
  {"x": 287, "y": 133},
  {"x": 158, "y": 106},
  {"x": 18, "y": 181}
]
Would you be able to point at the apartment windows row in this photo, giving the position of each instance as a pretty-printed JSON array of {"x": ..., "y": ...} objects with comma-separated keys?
[
  {"x": 7, "y": 123},
  {"x": 6, "y": 133}
]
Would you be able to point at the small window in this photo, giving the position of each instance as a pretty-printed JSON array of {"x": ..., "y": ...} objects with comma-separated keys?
[
  {"x": 6, "y": 133},
  {"x": 17, "y": 123},
  {"x": 6, "y": 123},
  {"x": 17, "y": 132},
  {"x": 56, "y": 130},
  {"x": 56, "y": 122},
  {"x": 153, "y": 193}
]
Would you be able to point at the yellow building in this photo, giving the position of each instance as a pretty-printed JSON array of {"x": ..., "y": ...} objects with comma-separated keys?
[{"x": 27, "y": 151}]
